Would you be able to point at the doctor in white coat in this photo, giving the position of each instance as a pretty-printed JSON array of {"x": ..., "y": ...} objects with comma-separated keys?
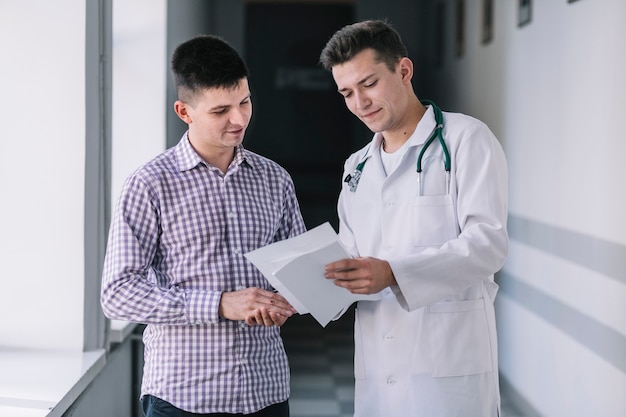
[{"x": 428, "y": 347}]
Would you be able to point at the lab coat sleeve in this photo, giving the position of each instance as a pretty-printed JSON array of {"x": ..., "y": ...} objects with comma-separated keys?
[{"x": 480, "y": 249}]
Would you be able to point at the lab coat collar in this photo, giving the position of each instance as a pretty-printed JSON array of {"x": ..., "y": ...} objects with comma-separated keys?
[
  {"x": 421, "y": 133},
  {"x": 424, "y": 128}
]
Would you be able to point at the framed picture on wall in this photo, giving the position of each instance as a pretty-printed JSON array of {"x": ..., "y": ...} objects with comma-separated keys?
[
  {"x": 487, "y": 27},
  {"x": 524, "y": 12},
  {"x": 460, "y": 28}
]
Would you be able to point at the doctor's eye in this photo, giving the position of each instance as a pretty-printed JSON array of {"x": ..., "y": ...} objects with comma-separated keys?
[{"x": 371, "y": 84}]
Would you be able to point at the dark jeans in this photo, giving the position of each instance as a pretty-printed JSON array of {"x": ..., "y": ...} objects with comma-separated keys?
[{"x": 156, "y": 407}]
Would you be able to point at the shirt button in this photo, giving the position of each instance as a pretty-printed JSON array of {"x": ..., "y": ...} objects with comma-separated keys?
[
  {"x": 240, "y": 287},
  {"x": 237, "y": 251},
  {"x": 390, "y": 381}
]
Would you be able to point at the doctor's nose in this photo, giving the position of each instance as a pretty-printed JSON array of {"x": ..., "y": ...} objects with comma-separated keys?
[{"x": 362, "y": 101}]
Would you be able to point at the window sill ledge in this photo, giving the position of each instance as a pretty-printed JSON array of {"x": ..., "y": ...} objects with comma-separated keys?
[
  {"x": 41, "y": 383},
  {"x": 120, "y": 330}
]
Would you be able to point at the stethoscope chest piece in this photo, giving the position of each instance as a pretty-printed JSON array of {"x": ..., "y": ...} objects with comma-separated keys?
[{"x": 353, "y": 179}]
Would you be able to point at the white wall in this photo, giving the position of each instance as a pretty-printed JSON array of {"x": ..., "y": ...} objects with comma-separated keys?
[
  {"x": 42, "y": 153},
  {"x": 42, "y": 157},
  {"x": 553, "y": 92}
]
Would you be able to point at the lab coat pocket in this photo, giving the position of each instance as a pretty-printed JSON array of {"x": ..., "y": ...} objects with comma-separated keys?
[
  {"x": 459, "y": 337},
  {"x": 432, "y": 220}
]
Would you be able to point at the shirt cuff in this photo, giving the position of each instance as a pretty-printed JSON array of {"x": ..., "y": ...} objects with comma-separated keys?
[{"x": 203, "y": 307}]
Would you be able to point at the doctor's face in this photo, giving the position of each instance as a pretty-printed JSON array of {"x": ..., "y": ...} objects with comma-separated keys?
[{"x": 373, "y": 93}]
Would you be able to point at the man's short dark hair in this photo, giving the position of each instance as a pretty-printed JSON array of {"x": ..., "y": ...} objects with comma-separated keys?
[
  {"x": 369, "y": 34},
  {"x": 204, "y": 62}
]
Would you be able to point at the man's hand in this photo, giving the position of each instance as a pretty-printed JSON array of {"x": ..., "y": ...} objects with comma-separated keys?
[
  {"x": 361, "y": 275},
  {"x": 256, "y": 307}
]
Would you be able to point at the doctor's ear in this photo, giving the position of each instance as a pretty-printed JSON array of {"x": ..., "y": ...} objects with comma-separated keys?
[{"x": 406, "y": 69}]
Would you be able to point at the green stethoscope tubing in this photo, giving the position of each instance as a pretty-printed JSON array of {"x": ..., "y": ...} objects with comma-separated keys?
[{"x": 437, "y": 133}]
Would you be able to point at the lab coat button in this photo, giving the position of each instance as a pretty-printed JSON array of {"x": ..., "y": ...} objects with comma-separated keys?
[
  {"x": 390, "y": 381},
  {"x": 388, "y": 337}
]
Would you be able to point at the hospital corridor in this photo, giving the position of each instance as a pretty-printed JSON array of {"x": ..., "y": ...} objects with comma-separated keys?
[{"x": 89, "y": 97}]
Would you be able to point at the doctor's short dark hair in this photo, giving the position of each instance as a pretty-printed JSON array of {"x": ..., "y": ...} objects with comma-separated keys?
[
  {"x": 353, "y": 39},
  {"x": 204, "y": 62}
]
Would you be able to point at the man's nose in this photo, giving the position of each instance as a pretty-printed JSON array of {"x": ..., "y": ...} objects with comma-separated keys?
[{"x": 238, "y": 117}]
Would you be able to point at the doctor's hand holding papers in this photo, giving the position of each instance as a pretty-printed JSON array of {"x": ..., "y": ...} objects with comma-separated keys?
[{"x": 296, "y": 269}]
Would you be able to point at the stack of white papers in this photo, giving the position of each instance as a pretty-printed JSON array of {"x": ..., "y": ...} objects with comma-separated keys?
[{"x": 295, "y": 268}]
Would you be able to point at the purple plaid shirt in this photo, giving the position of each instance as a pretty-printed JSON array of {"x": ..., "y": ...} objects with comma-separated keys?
[{"x": 177, "y": 240}]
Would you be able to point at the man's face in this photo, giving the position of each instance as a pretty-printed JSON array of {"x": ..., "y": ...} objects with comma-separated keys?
[
  {"x": 371, "y": 91},
  {"x": 218, "y": 117}
]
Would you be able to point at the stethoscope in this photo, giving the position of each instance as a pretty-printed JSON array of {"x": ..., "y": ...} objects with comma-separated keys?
[{"x": 437, "y": 133}]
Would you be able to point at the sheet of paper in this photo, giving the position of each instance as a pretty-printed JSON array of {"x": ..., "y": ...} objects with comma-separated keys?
[{"x": 295, "y": 267}]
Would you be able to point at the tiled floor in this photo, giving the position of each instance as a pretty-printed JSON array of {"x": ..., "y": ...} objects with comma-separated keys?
[
  {"x": 322, "y": 379},
  {"x": 322, "y": 376}
]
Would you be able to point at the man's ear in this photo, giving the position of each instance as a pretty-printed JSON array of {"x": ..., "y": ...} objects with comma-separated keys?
[{"x": 182, "y": 110}]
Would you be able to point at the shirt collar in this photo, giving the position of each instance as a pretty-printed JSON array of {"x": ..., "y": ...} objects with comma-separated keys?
[{"x": 188, "y": 158}]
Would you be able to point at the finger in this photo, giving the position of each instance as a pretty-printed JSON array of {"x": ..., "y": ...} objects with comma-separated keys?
[
  {"x": 341, "y": 265},
  {"x": 344, "y": 274},
  {"x": 262, "y": 317},
  {"x": 351, "y": 284},
  {"x": 281, "y": 303},
  {"x": 278, "y": 318}
]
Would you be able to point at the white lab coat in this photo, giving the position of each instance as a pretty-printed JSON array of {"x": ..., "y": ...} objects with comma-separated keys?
[{"x": 428, "y": 348}]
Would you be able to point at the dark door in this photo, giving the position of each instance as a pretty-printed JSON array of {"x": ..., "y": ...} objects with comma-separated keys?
[{"x": 299, "y": 120}]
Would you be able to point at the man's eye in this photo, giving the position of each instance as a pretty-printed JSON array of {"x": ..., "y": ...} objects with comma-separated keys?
[
  {"x": 372, "y": 84},
  {"x": 347, "y": 95}
]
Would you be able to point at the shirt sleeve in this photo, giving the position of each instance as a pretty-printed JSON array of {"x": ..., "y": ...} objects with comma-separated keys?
[
  {"x": 293, "y": 224},
  {"x": 132, "y": 289}
]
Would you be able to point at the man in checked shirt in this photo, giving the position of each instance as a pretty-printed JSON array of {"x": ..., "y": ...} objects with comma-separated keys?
[{"x": 175, "y": 256}]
